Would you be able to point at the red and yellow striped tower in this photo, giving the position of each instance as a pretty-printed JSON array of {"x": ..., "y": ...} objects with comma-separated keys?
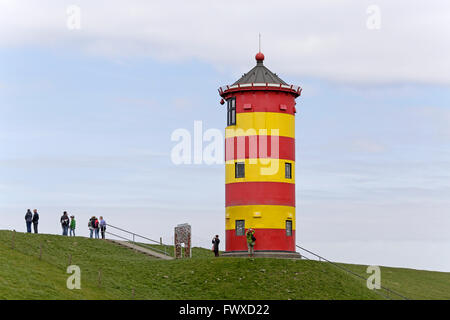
[{"x": 260, "y": 162}]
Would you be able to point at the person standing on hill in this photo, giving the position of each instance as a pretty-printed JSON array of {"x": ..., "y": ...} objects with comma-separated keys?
[
  {"x": 65, "y": 223},
  {"x": 28, "y": 220},
  {"x": 73, "y": 224},
  {"x": 216, "y": 242},
  {"x": 96, "y": 228},
  {"x": 91, "y": 224},
  {"x": 102, "y": 227},
  {"x": 35, "y": 220},
  {"x": 250, "y": 241}
]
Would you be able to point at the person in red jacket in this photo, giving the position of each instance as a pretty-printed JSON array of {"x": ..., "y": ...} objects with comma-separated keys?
[{"x": 96, "y": 228}]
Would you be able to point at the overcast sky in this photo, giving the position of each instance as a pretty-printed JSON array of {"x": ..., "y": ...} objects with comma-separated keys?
[{"x": 87, "y": 115}]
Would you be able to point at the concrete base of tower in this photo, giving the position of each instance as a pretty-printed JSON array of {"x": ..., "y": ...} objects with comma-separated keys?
[{"x": 264, "y": 254}]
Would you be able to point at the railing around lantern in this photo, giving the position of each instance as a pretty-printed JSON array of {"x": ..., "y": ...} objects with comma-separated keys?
[{"x": 297, "y": 89}]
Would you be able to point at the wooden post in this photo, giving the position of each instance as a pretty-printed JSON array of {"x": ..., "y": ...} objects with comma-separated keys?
[
  {"x": 100, "y": 277},
  {"x": 160, "y": 240},
  {"x": 13, "y": 243}
]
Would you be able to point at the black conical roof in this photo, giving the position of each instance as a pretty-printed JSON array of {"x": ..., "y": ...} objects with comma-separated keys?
[{"x": 260, "y": 74}]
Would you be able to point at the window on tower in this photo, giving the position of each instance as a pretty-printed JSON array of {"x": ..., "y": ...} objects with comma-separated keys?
[
  {"x": 288, "y": 228},
  {"x": 288, "y": 170},
  {"x": 239, "y": 170},
  {"x": 231, "y": 111},
  {"x": 240, "y": 227}
]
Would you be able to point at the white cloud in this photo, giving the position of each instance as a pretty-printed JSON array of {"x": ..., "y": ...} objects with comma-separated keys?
[{"x": 326, "y": 39}]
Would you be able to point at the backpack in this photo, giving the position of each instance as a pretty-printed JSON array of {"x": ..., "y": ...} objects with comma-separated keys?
[
  {"x": 253, "y": 238},
  {"x": 96, "y": 224}
]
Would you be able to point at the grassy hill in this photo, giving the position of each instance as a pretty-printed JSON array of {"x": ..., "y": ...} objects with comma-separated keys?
[{"x": 24, "y": 276}]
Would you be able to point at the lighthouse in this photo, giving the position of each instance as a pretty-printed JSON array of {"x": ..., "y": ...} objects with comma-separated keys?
[{"x": 260, "y": 162}]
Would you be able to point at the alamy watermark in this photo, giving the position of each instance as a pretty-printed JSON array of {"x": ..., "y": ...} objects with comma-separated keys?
[
  {"x": 74, "y": 280},
  {"x": 373, "y": 21},
  {"x": 73, "y": 21},
  {"x": 207, "y": 147},
  {"x": 374, "y": 280}
]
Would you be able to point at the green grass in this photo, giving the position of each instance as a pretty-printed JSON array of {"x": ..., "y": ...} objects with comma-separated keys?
[
  {"x": 170, "y": 250},
  {"x": 414, "y": 284},
  {"x": 24, "y": 276}
]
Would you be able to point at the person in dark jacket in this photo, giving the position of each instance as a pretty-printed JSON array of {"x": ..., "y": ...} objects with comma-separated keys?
[
  {"x": 65, "y": 222},
  {"x": 91, "y": 224},
  {"x": 35, "y": 220},
  {"x": 216, "y": 242},
  {"x": 28, "y": 220}
]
